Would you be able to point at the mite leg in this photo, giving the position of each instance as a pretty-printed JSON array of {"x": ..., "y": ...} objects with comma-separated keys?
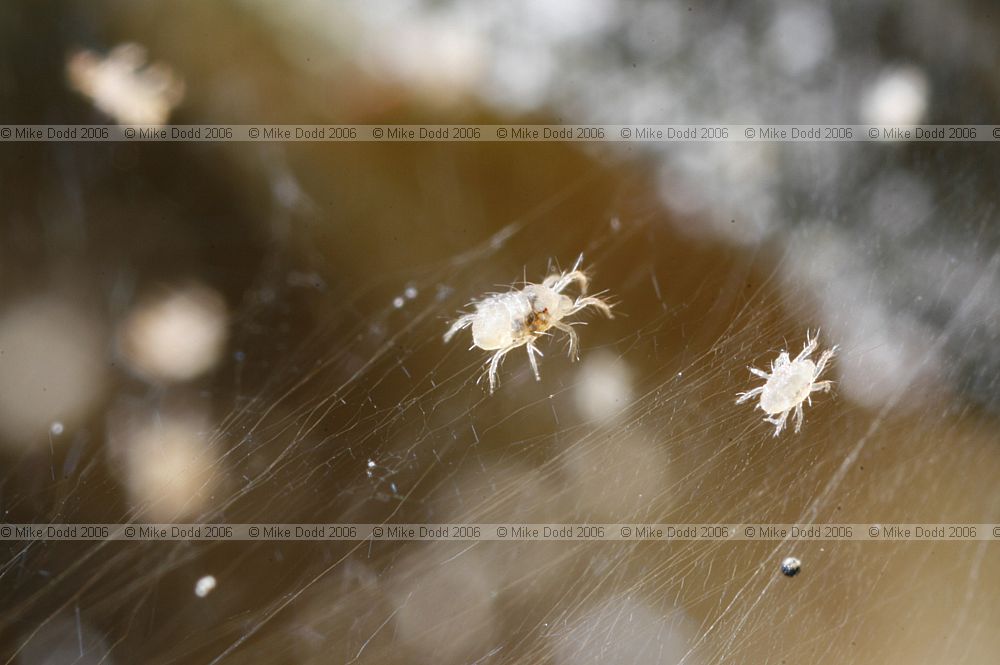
[
  {"x": 811, "y": 344},
  {"x": 463, "y": 321},
  {"x": 822, "y": 385},
  {"x": 531, "y": 357},
  {"x": 824, "y": 359},
  {"x": 819, "y": 385},
  {"x": 574, "y": 339},
  {"x": 590, "y": 301},
  {"x": 495, "y": 366},
  {"x": 558, "y": 283},
  {"x": 749, "y": 394},
  {"x": 778, "y": 422}
]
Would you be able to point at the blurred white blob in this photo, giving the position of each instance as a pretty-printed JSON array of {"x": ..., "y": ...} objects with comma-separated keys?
[
  {"x": 521, "y": 77},
  {"x": 504, "y": 52},
  {"x": 887, "y": 354},
  {"x": 656, "y": 28},
  {"x": 204, "y": 586},
  {"x": 800, "y": 38},
  {"x": 512, "y": 493},
  {"x": 614, "y": 477},
  {"x": 62, "y": 640},
  {"x": 625, "y": 630},
  {"x": 53, "y": 367},
  {"x": 176, "y": 337},
  {"x": 560, "y": 20},
  {"x": 967, "y": 280},
  {"x": 884, "y": 353},
  {"x": 603, "y": 387},
  {"x": 742, "y": 212},
  {"x": 898, "y": 97},
  {"x": 438, "y": 58},
  {"x": 124, "y": 87},
  {"x": 445, "y": 612},
  {"x": 346, "y": 604},
  {"x": 900, "y": 203},
  {"x": 165, "y": 459}
]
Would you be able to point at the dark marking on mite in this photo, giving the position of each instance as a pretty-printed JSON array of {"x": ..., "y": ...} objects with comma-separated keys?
[{"x": 538, "y": 321}]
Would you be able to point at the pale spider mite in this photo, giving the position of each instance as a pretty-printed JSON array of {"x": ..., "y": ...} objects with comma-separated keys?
[
  {"x": 504, "y": 321},
  {"x": 789, "y": 384}
]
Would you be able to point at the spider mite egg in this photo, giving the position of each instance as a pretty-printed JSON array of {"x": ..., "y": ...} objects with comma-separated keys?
[{"x": 790, "y": 566}]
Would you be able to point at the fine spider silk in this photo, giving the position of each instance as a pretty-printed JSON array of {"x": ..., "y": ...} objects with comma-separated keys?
[
  {"x": 789, "y": 384},
  {"x": 504, "y": 321}
]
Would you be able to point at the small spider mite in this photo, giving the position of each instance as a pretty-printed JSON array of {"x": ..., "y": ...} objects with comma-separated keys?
[
  {"x": 789, "y": 384},
  {"x": 504, "y": 321}
]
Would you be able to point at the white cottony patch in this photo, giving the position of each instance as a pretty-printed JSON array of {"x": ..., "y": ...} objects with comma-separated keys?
[{"x": 204, "y": 586}]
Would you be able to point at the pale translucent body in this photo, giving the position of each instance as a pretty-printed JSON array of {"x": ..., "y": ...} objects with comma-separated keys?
[
  {"x": 790, "y": 384},
  {"x": 504, "y": 321},
  {"x": 500, "y": 320}
]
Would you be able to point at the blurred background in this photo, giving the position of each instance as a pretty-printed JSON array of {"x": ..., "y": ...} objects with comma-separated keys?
[{"x": 237, "y": 332}]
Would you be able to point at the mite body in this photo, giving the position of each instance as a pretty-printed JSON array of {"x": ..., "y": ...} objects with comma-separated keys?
[
  {"x": 790, "y": 383},
  {"x": 504, "y": 321}
]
